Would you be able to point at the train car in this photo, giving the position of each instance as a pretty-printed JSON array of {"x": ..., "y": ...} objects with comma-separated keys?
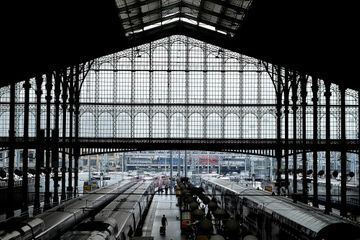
[
  {"x": 117, "y": 219},
  {"x": 51, "y": 224},
  {"x": 276, "y": 217}
]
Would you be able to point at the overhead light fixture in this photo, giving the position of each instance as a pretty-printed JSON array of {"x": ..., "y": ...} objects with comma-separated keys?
[
  {"x": 220, "y": 51},
  {"x": 138, "y": 53}
]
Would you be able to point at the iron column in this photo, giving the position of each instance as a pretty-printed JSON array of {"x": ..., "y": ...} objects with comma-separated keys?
[
  {"x": 11, "y": 154},
  {"x": 25, "y": 202},
  {"x": 39, "y": 152},
  {"x": 343, "y": 152},
  {"x": 304, "y": 160},
  {"x": 48, "y": 128},
  {"x": 315, "y": 89},
  {"x": 327, "y": 95}
]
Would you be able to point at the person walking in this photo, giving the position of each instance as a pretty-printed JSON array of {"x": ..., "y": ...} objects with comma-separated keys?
[
  {"x": 163, "y": 225},
  {"x": 163, "y": 221}
]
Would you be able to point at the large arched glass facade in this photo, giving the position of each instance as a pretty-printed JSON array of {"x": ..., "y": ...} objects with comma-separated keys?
[{"x": 179, "y": 87}]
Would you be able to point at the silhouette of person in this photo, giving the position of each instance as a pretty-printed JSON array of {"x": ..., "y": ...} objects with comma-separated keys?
[{"x": 163, "y": 221}]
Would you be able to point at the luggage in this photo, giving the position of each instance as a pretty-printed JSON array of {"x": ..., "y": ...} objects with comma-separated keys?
[{"x": 162, "y": 230}]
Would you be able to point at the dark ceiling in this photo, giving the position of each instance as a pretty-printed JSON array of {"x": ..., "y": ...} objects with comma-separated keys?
[{"x": 316, "y": 37}]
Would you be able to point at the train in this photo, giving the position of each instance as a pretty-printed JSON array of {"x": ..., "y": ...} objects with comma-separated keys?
[
  {"x": 265, "y": 216},
  {"x": 51, "y": 224},
  {"x": 122, "y": 216}
]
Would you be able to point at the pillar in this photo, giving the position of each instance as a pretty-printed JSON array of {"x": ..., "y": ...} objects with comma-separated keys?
[
  {"x": 294, "y": 98},
  {"x": 315, "y": 89},
  {"x": 39, "y": 152},
  {"x": 278, "y": 129},
  {"x": 48, "y": 97},
  {"x": 77, "y": 113},
  {"x": 185, "y": 164},
  {"x": 303, "y": 82},
  {"x": 71, "y": 113},
  {"x": 171, "y": 165},
  {"x": 11, "y": 154},
  {"x": 286, "y": 128},
  {"x": 55, "y": 138},
  {"x": 343, "y": 153},
  {"x": 63, "y": 157},
  {"x": 25, "y": 200},
  {"x": 327, "y": 95}
]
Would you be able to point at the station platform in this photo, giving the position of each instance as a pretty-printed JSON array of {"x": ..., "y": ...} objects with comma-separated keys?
[{"x": 163, "y": 204}]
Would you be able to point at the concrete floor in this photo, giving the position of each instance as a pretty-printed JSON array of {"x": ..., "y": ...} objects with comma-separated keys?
[{"x": 163, "y": 204}]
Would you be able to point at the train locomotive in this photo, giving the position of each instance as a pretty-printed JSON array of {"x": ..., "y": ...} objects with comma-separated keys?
[
  {"x": 266, "y": 216},
  {"x": 51, "y": 224},
  {"x": 123, "y": 215}
]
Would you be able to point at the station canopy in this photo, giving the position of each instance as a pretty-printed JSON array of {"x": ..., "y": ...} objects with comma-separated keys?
[
  {"x": 314, "y": 37},
  {"x": 224, "y": 17}
]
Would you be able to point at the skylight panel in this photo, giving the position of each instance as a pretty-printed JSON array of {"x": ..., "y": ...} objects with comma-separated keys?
[
  {"x": 170, "y": 14},
  {"x": 184, "y": 19},
  {"x": 206, "y": 26},
  {"x": 152, "y": 26},
  {"x": 171, "y": 20},
  {"x": 139, "y": 15}
]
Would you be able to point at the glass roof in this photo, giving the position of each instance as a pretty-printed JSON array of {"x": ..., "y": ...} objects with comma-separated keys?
[{"x": 223, "y": 16}]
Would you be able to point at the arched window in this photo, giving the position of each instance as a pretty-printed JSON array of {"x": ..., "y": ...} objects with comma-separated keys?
[
  {"x": 106, "y": 125},
  {"x": 177, "y": 126},
  {"x": 213, "y": 126},
  {"x": 159, "y": 126},
  {"x": 4, "y": 124},
  {"x": 232, "y": 126},
  {"x": 196, "y": 58},
  {"x": 268, "y": 126},
  {"x": 196, "y": 126},
  {"x": 123, "y": 125},
  {"x": 141, "y": 125},
  {"x": 351, "y": 131},
  {"x": 250, "y": 126},
  {"x": 178, "y": 51},
  {"x": 87, "y": 125}
]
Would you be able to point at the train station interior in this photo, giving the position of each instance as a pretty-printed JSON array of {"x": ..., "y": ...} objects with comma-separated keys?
[{"x": 179, "y": 119}]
